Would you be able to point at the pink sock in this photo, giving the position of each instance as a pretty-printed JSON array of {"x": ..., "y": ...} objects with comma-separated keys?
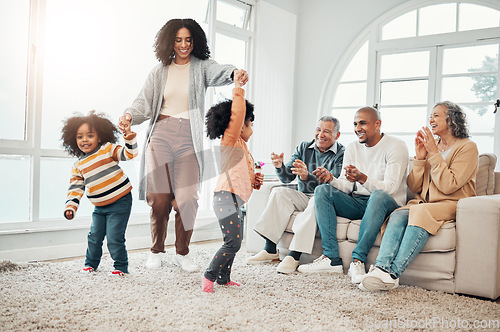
[
  {"x": 206, "y": 285},
  {"x": 232, "y": 283}
]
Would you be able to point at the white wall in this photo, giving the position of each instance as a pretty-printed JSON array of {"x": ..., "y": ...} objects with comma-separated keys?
[
  {"x": 272, "y": 81},
  {"x": 325, "y": 29},
  {"x": 289, "y": 5}
]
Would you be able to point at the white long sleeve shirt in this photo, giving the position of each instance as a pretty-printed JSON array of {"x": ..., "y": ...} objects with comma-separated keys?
[{"x": 385, "y": 165}]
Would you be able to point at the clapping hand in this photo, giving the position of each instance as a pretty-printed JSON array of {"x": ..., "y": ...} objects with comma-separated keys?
[
  {"x": 300, "y": 169},
  {"x": 323, "y": 175},
  {"x": 426, "y": 143},
  {"x": 352, "y": 174},
  {"x": 420, "y": 151}
]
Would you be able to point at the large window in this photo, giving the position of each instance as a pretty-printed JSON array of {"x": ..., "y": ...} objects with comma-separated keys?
[
  {"x": 418, "y": 55},
  {"x": 76, "y": 56}
]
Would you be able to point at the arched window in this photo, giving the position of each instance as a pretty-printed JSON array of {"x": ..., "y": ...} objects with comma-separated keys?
[{"x": 416, "y": 55}]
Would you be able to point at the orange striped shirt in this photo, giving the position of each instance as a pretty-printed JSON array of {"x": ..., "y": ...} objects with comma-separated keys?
[{"x": 100, "y": 174}]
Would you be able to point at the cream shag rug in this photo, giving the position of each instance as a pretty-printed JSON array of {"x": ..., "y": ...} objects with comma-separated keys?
[{"x": 55, "y": 296}]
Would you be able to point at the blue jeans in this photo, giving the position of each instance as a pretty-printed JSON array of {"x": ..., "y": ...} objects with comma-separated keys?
[
  {"x": 380, "y": 205},
  {"x": 373, "y": 209},
  {"x": 109, "y": 221},
  {"x": 330, "y": 203},
  {"x": 400, "y": 244}
]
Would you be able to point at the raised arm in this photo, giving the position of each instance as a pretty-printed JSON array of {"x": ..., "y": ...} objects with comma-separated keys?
[{"x": 216, "y": 74}]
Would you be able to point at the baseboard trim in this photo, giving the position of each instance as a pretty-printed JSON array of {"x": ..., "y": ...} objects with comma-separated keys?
[{"x": 49, "y": 244}]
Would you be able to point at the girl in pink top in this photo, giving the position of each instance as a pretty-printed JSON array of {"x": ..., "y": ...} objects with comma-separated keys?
[{"x": 233, "y": 121}]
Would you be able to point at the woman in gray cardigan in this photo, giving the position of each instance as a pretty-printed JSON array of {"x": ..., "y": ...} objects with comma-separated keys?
[{"x": 172, "y": 99}]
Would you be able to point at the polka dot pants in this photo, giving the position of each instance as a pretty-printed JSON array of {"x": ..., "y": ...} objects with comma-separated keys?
[{"x": 227, "y": 209}]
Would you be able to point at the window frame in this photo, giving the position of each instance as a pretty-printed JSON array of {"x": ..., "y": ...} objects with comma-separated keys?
[
  {"x": 31, "y": 145},
  {"x": 377, "y": 46}
]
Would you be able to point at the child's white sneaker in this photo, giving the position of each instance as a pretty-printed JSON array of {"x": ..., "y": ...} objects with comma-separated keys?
[{"x": 87, "y": 270}]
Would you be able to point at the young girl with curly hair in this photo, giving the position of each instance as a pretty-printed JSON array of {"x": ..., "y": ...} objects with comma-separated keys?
[
  {"x": 172, "y": 101},
  {"x": 233, "y": 121},
  {"x": 92, "y": 139}
]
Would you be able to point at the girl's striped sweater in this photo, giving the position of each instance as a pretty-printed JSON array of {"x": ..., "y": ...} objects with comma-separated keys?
[{"x": 99, "y": 172}]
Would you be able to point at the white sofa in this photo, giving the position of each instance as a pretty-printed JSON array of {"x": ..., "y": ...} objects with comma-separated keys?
[{"x": 464, "y": 256}]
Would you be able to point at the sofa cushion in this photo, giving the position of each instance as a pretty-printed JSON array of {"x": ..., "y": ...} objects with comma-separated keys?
[
  {"x": 443, "y": 241},
  {"x": 342, "y": 226},
  {"x": 485, "y": 178}
]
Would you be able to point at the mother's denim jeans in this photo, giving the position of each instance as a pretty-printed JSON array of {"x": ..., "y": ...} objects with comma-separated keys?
[{"x": 401, "y": 244}]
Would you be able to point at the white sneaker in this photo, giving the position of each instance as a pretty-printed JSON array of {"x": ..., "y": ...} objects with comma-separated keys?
[
  {"x": 287, "y": 265},
  {"x": 377, "y": 280},
  {"x": 320, "y": 265},
  {"x": 360, "y": 286},
  {"x": 185, "y": 263},
  {"x": 87, "y": 270},
  {"x": 356, "y": 271},
  {"x": 263, "y": 257},
  {"x": 154, "y": 261}
]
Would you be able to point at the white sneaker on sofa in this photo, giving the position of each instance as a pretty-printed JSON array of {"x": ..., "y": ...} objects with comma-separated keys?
[
  {"x": 154, "y": 261},
  {"x": 287, "y": 265},
  {"x": 321, "y": 265},
  {"x": 263, "y": 257},
  {"x": 356, "y": 272}
]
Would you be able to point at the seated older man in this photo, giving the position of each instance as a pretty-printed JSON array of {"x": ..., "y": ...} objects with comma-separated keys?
[{"x": 325, "y": 153}]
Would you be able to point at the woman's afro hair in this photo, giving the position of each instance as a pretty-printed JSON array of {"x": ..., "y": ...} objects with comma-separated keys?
[
  {"x": 165, "y": 39},
  {"x": 102, "y": 126},
  {"x": 218, "y": 116}
]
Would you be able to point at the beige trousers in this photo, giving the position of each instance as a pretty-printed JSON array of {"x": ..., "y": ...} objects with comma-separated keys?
[
  {"x": 172, "y": 182},
  {"x": 275, "y": 217}
]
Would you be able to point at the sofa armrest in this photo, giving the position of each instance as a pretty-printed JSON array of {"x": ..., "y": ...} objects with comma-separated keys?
[
  {"x": 255, "y": 205},
  {"x": 478, "y": 249}
]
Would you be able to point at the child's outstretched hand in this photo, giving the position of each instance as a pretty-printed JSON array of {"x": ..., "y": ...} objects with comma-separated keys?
[
  {"x": 124, "y": 124},
  {"x": 240, "y": 77},
  {"x": 237, "y": 79},
  {"x": 68, "y": 214}
]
